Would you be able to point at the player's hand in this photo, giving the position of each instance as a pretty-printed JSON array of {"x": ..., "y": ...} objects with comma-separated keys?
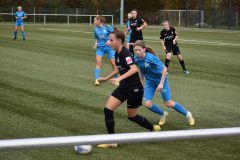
[
  {"x": 174, "y": 41},
  {"x": 138, "y": 28},
  {"x": 101, "y": 79},
  {"x": 16, "y": 17},
  {"x": 164, "y": 48},
  {"x": 115, "y": 80},
  {"x": 22, "y": 18},
  {"x": 107, "y": 43},
  {"x": 159, "y": 88}
]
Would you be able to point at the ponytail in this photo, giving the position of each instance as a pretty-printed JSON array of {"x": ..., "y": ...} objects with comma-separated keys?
[
  {"x": 143, "y": 45},
  {"x": 149, "y": 49}
]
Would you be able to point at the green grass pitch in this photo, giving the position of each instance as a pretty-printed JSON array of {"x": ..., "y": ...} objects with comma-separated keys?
[{"x": 46, "y": 90}]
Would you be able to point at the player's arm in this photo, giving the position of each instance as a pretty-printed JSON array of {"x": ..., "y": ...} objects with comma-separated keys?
[
  {"x": 24, "y": 16},
  {"x": 176, "y": 37},
  {"x": 142, "y": 78},
  {"x": 162, "y": 40},
  {"x": 144, "y": 25},
  {"x": 160, "y": 86},
  {"x": 133, "y": 69},
  {"x": 163, "y": 45},
  {"x": 127, "y": 30},
  {"x": 96, "y": 41},
  {"x": 111, "y": 75},
  {"x": 95, "y": 44}
]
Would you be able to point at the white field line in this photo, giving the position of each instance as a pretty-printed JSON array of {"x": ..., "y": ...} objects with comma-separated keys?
[
  {"x": 64, "y": 30},
  {"x": 156, "y": 39}
]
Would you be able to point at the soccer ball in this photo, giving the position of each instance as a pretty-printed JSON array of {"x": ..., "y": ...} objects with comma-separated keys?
[{"x": 83, "y": 149}]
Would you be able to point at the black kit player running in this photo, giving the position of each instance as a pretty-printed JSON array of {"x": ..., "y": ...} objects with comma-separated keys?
[
  {"x": 169, "y": 41},
  {"x": 130, "y": 88},
  {"x": 136, "y": 25}
]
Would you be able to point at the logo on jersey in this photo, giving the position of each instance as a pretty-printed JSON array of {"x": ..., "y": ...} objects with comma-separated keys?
[
  {"x": 135, "y": 90},
  {"x": 129, "y": 60},
  {"x": 147, "y": 64}
]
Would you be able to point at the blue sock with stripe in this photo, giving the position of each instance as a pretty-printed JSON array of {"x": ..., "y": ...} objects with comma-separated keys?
[
  {"x": 116, "y": 76},
  {"x": 97, "y": 73},
  {"x": 15, "y": 34},
  {"x": 23, "y": 34},
  {"x": 179, "y": 108},
  {"x": 156, "y": 109}
]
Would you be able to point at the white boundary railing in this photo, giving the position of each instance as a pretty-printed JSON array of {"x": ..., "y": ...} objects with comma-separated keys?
[
  {"x": 66, "y": 15},
  {"x": 118, "y": 138}
]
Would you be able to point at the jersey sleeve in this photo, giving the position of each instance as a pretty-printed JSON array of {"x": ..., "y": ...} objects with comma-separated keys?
[
  {"x": 174, "y": 32},
  {"x": 157, "y": 63},
  {"x": 128, "y": 58},
  {"x": 141, "y": 21},
  {"x": 110, "y": 29},
  {"x": 161, "y": 35}
]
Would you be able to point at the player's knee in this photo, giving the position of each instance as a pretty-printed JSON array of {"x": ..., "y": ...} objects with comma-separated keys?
[
  {"x": 169, "y": 103},
  {"x": 99, "y": 64},
  {"x": 169, "y": 56},
  {"x": 148, "y": 104}
]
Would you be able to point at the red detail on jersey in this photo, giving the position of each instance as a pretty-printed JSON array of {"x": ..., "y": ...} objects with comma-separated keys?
[{"x": 129, "y": 60}]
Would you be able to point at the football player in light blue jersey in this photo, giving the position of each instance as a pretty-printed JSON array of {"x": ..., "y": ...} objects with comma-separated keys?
[
  {"x": 128, "y": 31},
  {"x": 154, "y": 72},
  {"x": 20, "y": 16},
  {"x": 101, "y": 32}
]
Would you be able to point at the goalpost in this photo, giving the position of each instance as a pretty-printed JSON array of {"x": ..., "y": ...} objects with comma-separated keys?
[{"x": 57, "y": 18}]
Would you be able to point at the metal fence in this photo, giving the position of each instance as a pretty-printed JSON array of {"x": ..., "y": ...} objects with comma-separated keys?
[{"x": 204, "y": 17}]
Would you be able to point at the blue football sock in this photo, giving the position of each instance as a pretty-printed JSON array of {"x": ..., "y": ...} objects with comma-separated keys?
[
  {"x": 97, "y": 73},
  {"x": 156, "y": 109},
  {"x": 15, "y": 34},
  {"x": 116, "y": 76},
  {"x": 23, "y": 34},
  {"x": 180, "y": 109}
]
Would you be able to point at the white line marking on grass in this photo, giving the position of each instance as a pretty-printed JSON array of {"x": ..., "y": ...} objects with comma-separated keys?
[
  {"x": 157, "y": 40},
  {"x": 64, "y": 30}
]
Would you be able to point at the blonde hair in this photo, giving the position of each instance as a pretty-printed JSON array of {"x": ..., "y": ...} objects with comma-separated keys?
[{"x": 102, "y": 19}]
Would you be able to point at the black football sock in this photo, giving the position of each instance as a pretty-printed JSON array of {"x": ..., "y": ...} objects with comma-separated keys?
[
  {"x": 167, "y": 61},
  {"x": 109, "y": 120},
  {"x": 182, "y": 64},
  {"x": 142, "y": 122}
]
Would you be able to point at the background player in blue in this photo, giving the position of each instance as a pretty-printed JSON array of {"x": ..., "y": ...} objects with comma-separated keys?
[
  {"x": 128, "y": 31},
  {"x": 101, "y": 32},
  {"x": 169, "y": 38},
  {"x": 154, "y": 71},
  {"x": 20, "y": 16}
]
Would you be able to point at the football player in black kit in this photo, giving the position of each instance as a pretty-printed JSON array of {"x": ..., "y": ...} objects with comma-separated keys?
[
  {"x": 137, "y": 24},
  {"x": 130, "y": 88},
  {"x": 169, "y": 38}
]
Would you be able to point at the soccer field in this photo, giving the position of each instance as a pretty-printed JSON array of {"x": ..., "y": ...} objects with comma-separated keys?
[{"x": 46, "y": 90}]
